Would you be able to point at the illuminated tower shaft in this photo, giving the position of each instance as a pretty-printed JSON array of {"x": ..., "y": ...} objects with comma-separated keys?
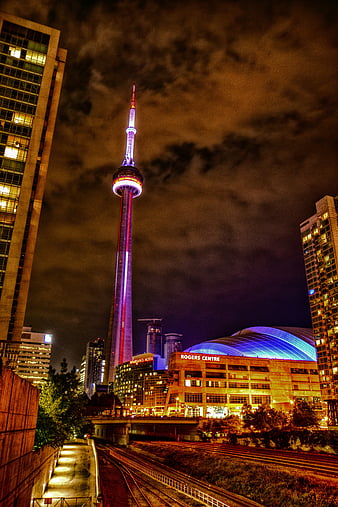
[{"x": 127, "y": 184}]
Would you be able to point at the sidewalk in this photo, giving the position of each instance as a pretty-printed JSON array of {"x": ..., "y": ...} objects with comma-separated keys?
[{"x": 75, "y": 476}]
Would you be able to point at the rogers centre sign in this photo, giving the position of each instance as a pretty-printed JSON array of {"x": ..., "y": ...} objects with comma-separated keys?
[{"x": 199, "y": 357}]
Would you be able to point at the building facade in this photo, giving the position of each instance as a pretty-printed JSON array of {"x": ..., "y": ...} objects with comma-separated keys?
[
  {"x": 31, "y": 72},
  {"x": 320, "y": 248},
  {"x": 173, "y": 343},
  {"x": 141, "y": 385},
  {"x": 213, "y": 385},
  {"x": 94, "y": 366},
  {"x": 210, "y": 385},
  {"x": 127, "y": 184},
  {"x": 35, "y": 351}
]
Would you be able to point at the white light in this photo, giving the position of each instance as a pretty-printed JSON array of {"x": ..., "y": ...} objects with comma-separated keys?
[
  {"x": 4, "y": 189},
  {"x": 127, "y": 182},
  {"x": 48, "y": 338}
]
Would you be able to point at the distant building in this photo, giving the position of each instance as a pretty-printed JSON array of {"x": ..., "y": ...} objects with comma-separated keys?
[
  {"x": 154, "y": 340},
  {"x": 211, "y": 385},
  {"x": 34, "y": 356},
  {"x": 31, "y": 72},
  {"x": 215, "y": 378},
  {"x": 94, "y": 366},
  {"x": 173, "y": 343},
  {"x": 141, "y": 385},
  {"x": 82, "y": 373},
  {"x": 320, "y": 248}
]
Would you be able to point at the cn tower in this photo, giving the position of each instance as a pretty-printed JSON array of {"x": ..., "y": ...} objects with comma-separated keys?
[{"x": 127, "y": 184}]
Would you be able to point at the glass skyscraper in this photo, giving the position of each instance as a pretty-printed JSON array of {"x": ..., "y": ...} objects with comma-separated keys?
[
  {"x": 320, "y": 248},
  {"x": 31, "y": 73}
]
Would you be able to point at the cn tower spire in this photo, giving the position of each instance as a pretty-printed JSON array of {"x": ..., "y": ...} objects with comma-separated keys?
[
  {"x": 131, "y": 131},
  {"x": 127, "y": 184}
]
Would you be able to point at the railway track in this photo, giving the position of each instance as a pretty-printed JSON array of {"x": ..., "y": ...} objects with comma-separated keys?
[
  {"x": 143, "y": 491},
  {"x": 150, "y": 471},
  {"x": 321, "y": 465}
]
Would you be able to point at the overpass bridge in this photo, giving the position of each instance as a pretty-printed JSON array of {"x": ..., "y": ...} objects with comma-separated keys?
[{"x": 120, "y": 430}]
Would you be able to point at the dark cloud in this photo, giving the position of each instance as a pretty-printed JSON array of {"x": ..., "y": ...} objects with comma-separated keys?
[{"x": 237, "y": 139}]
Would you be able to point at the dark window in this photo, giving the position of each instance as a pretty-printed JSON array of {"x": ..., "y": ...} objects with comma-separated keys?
[
  {"x": 299, "y": 370},
  {"x": 215, "y": 374},
  {"x": 237, "y": 367},
  {"x": 193, "y": 373},
  {"x": 215, "y": 366},
  {"x": 193, "y": 397},
  {"x": 259, "y": 368}
]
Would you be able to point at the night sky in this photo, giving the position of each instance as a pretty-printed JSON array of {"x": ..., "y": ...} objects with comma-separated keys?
[{"x": 237, "y": 140}]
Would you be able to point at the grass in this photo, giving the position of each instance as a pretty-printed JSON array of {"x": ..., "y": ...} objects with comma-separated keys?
[{"x": 267, "y": 485}]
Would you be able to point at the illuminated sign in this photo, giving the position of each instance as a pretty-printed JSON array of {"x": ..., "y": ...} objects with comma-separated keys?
[
  {"x": 141, "y": 360},
  {"x": 199, "y": 357}
]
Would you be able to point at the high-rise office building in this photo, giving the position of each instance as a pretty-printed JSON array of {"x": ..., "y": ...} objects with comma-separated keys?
[
  {"x": 34, "y": 356},
  {"x": 94, "y": 366},
  {"x": 127, "y": 184},
  {"x": 154, "y": 340},
  {"x": 31, "y": 72},
  {"x": 320, "y": 248},
  {"x": 173, "y": 343}
]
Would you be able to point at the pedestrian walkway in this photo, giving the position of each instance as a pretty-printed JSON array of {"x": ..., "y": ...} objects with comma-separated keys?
[{"x": 75, "y": 478}]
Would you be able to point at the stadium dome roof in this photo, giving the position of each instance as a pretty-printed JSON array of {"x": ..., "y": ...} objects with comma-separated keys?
[{"x": 265, "y": 342}]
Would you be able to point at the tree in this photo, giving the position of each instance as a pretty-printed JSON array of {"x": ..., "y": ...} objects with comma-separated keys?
[
  {"x": 232, "y": 424},
  {"x": 61, "y": 408},
  {"x": 303, "y": 415},
  {"x": 264, "y": 418}
]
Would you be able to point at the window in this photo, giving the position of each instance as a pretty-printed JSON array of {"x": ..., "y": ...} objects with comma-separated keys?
[
  {"x": 216, "y": 398},
  {"x": 173, "y": 398},
  {"x": 23, "y": 119},
  {"x": 234, "y": 398},
  {"x": 237, "y": 367},
  {"x": 190, "y": 373},
  {"x": 215, "y": 366},
  {"x": 299, "y": 370},
  {"x": 192, "y": 383},
  {"x": 193, "y": 397},
  {"x": 15, "y": 51},
  {"x": 213, "y": 383},
  {"x": 215, "y": 374},
  {"x": 259, "y": 368},
  {"x": 239, "y": 385},
  {"x": 260, "y": 386},
  {"x": 35, "y": 57},
  {"x": 261, "y": 400}
]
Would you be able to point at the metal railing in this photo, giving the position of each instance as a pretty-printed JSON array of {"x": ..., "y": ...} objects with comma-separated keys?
[
  {"x": 185, "y": 488},
  {"x": 76, "y": 501}
]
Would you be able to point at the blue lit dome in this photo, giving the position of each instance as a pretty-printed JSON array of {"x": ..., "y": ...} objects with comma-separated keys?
[{"x": 265, "y": 342}]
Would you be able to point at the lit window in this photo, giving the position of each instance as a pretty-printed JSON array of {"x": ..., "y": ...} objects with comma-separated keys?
[
  {"x": 35, "y": 57},
  {"x": 11, "y": 152},
  {"x": 14, "y": 51},
  {"x": 5, "y": 190},
  {"x": 23, "y": 119}
]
